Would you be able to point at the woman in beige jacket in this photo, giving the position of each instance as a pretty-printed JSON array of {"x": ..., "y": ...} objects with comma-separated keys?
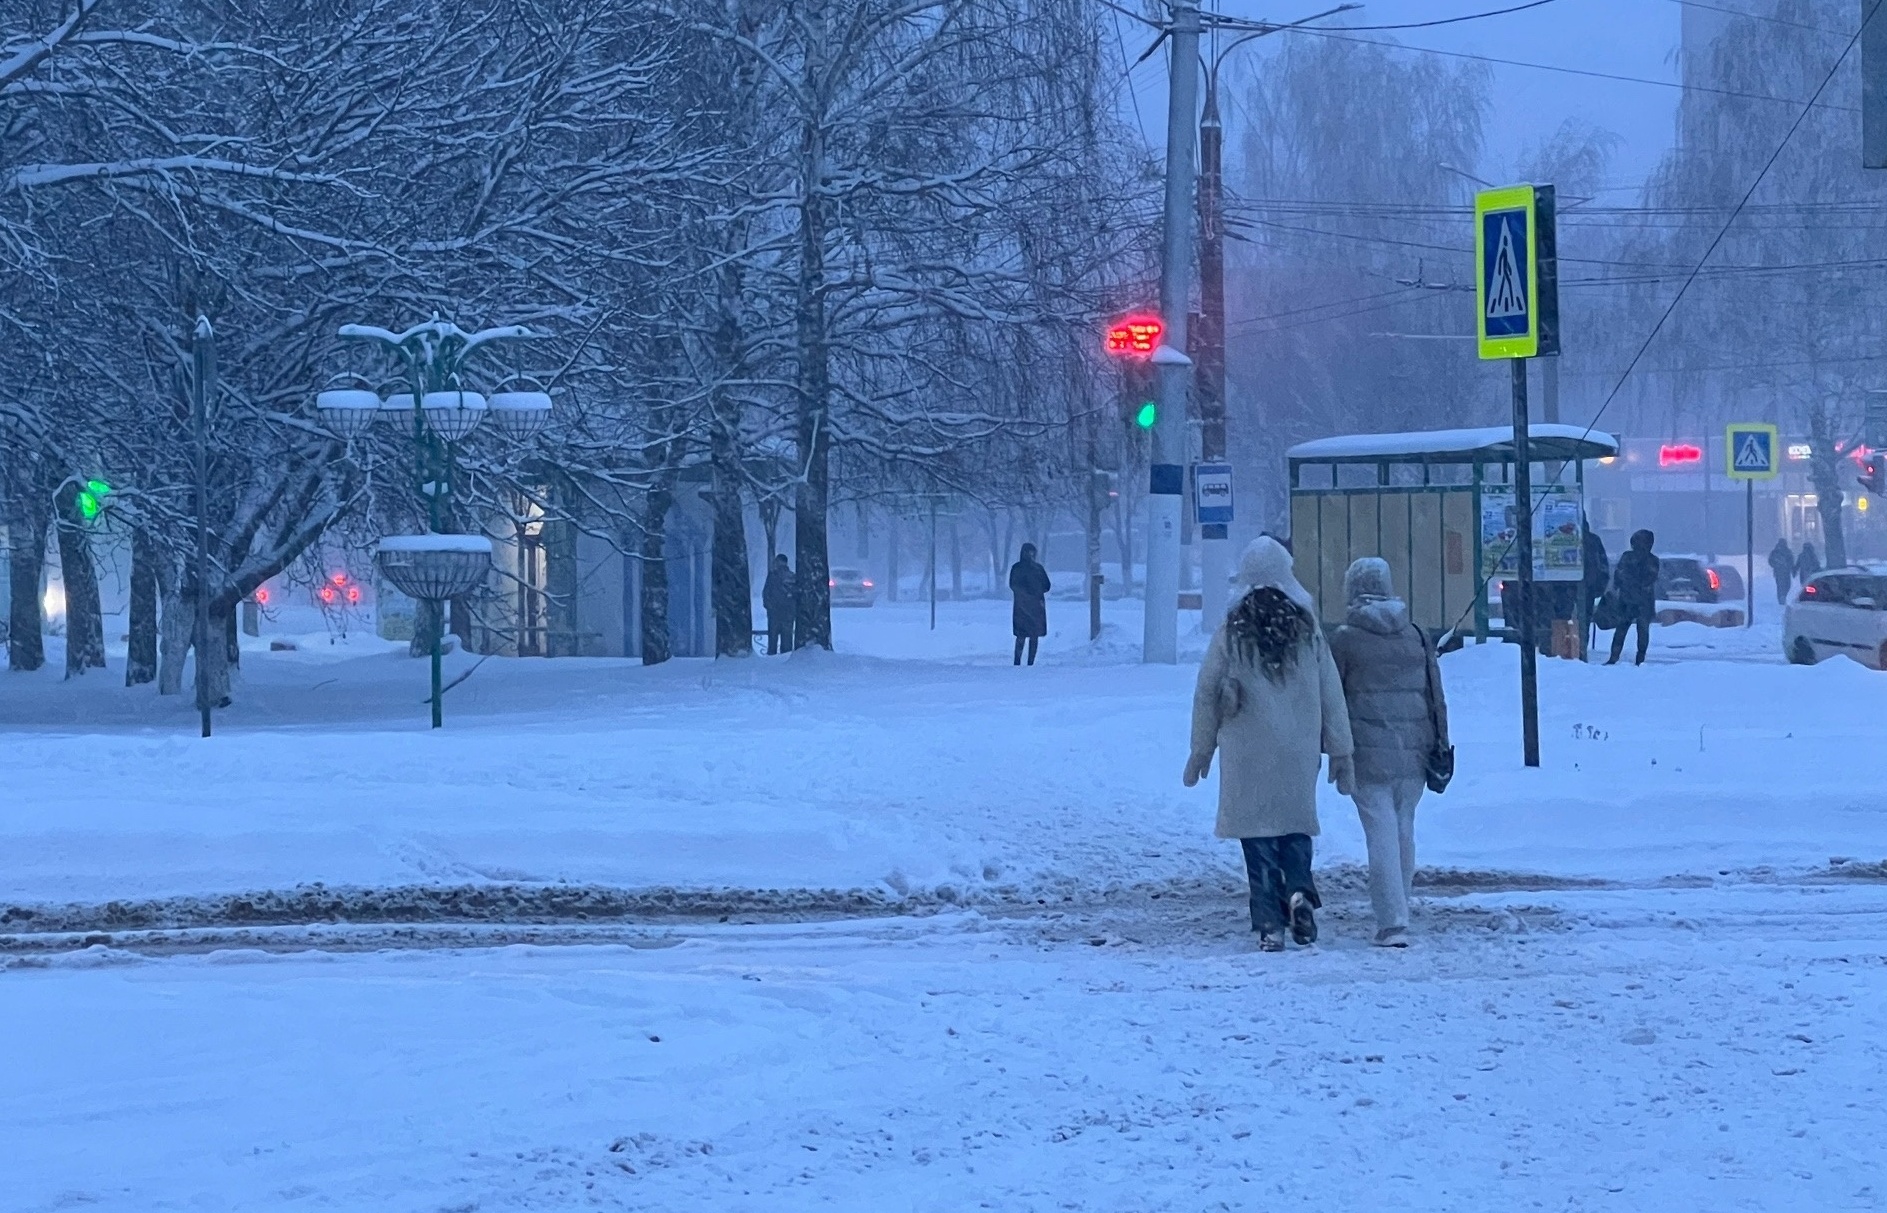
[{"x": 1270, "y": 702}]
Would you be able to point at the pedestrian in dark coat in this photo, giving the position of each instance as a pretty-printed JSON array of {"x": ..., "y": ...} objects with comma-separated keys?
[
  {"x": 777, "y": 597},
  {"x": 1598, "y": 573},
  {"x": 1807, "y": 564},
  {"x": 1636, "y": 583},
  {"x": 1782, "y": 564},
  {"x": 1028, "y": 581},
  {"x": 1392, "y": 687}
]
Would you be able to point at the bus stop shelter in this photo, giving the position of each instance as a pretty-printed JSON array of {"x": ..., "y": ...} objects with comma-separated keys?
[{"x": 1438, "y": 506}]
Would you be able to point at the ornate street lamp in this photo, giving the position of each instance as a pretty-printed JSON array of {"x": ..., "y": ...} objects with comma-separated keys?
[
  {"x": 434, "y": 568},
  {"x": 440, "y": 412}
]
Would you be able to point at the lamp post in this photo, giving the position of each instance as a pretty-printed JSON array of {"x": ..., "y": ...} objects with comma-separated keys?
[{"x": 435, "y": 567}]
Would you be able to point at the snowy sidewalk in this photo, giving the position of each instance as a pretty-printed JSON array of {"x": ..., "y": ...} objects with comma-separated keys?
[{"x": 947, "y": 777}]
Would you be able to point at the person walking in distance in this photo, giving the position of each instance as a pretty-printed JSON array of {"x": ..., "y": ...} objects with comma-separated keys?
[
  {"x": 1398, "y": 718},
  {"x": 1782, "y": 565},
  {"x": 776, "y": 595},
  {"x": 1636, "y": 583},
  {"x": 1807, "y": 564},
  {"x": 1028, "y": 581},
  {"x": 1269, "y": 701}
]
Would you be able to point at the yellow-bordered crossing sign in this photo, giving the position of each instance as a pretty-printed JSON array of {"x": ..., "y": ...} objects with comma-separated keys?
[
  {"x": 1751, "y": 451},
  {"x": 1516, "y": 272}
]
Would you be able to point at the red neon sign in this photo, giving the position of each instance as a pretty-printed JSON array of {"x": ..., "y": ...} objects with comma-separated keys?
[
  {"x": 1679, "y": 454},
  {"x": 1134, "y": 337}
]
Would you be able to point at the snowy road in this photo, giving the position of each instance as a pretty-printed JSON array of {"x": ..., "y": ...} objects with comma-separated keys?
[
  {"x": 908, "y": 929},
  {"x": 1593, "y": 1049}
]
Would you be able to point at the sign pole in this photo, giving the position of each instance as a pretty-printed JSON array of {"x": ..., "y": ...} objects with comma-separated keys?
[
  {"x": 1749, "y": 561},
  {"x": 1523, "y": 536}
]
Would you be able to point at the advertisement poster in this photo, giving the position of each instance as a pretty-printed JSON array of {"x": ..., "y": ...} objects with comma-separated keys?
[{"x": 1558, "y": 549}]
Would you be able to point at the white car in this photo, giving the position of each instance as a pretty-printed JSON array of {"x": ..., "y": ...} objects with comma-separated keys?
[
  {"x": 851, "y": 588},
  {"x": 1840, "y": 611}
]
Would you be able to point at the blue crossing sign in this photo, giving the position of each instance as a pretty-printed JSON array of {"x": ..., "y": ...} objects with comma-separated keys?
[
  {"x": 1752, "y": 451},
  {"x": 1516, "y": 264}
]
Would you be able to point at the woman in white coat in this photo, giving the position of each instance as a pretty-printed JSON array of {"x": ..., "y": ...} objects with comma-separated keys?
[{"x": 1270, "y": 702}]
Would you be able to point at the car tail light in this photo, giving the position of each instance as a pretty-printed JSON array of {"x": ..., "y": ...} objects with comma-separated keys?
[
  {"x": 1809, "y": 591},
  {"x": 1716, "y": 582},
  {"x": 866, "y": 584}
]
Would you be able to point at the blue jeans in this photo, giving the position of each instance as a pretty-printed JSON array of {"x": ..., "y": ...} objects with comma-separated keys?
[{"x": 1278, "y": 867}]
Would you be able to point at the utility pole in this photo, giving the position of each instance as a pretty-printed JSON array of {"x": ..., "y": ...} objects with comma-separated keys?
[
  {"x": 203, "y": 382},
  {"x": 1167, "y": 476},
  {"x": 1209, "y": 347}
]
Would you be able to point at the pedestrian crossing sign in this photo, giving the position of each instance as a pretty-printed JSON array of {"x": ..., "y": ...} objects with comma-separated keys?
[
  {"x": 1751, "y": 450},
  {"x": 1516, "y": 291}
]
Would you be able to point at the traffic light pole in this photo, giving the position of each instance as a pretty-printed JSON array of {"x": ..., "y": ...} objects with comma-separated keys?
[{"x": 1167, "y": 477}]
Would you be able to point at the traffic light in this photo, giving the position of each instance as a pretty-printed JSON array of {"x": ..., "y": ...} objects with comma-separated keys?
[
  {"x": 91, "y": 498},
  {"x": 1139, "y": 398},
  {"x": 1133, "y": 341},
  {"x": 1874, "y": 472}
]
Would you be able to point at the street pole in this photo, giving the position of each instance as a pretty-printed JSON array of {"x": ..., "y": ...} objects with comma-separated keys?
[
  {"x": 1523, "y": 536},
  {"x": 203, "y": 350},
  {"x": 1167, "y": 476},
  {"x": 1209, "y": 344},
  {"x": 1749, "y": 548},
  {"x": 1094, "y": 539}
]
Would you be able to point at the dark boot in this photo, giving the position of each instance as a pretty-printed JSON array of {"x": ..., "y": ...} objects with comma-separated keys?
[{"x": 1303, "y": 921}]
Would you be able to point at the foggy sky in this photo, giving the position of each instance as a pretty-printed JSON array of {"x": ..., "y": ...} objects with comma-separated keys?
[{"x": 1625, "y": 37}]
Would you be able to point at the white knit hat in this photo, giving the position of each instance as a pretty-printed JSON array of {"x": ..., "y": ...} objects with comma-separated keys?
[{"x": 1266, "y": 563}]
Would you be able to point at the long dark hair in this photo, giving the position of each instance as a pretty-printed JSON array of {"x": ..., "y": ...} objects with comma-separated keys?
[{"x": 1268, "y": 630}]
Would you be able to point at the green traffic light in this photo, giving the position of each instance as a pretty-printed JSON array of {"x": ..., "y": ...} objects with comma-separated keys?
[
  {"x": 1146, "y": 416},
  {"x": 91, "y": 499}
]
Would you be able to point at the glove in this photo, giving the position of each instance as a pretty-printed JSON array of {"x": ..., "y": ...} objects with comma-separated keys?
[
  {"x": 1197, "y": 768},
  {"x": 1343, "y": 774}
]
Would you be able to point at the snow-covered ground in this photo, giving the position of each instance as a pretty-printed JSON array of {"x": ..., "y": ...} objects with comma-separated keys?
[{"x": 903, "y": 927}]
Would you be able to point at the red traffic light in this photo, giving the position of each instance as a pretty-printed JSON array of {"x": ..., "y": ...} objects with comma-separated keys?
[{"x": 1135, "y": 337}]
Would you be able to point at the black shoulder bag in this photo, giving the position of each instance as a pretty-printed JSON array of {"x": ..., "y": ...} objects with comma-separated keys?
[{"x": 1438, "y": 765}]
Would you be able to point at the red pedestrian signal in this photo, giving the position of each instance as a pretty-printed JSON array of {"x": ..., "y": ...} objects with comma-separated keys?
[{"x": 1135, "y": 337}]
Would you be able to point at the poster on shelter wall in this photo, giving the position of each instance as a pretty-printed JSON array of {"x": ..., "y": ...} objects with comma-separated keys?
[{"x": 1558, "y": 545}]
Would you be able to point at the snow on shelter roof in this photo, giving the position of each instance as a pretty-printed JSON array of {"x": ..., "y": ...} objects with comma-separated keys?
[{"x": 1489, "y": 444}]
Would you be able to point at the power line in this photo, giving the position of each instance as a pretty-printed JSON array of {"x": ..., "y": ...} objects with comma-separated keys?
[
  {"x": 1727, "y": 223},
  {"x": 1499, "y": 12},
  {"x": 1734, "y": 12},
  {"x": 1570, "y": 71}
]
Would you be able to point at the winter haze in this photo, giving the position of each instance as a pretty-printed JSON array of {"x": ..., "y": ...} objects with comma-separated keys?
[{"x": 920, "y": 605}]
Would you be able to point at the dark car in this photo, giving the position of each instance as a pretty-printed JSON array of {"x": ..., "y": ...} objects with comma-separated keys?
[{"x": 1692, "y": 579}]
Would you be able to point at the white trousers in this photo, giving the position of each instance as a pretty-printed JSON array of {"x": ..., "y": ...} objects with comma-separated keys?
[{"x": 1388, "y": 813}]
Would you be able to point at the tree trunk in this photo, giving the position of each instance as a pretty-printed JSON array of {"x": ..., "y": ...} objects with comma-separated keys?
[
  {"x": 956, "y": 561},
  {"x": 85, "y": 625},
  {"x": 428, "y": 621},
  {"x": 26, "y": 566},
  {"x": 140, "y": 664},
  {"x": 174, "y": 627},
  {"x": 814, "y": 432},
  {"x": 1824, "y": 471},
  {"x": 655, "y": 647},
  {"x": 1124, "y": 534},
  {"x": 232, "y": 638},
  {"x": 562, "y": 632},
  {"x": 893, "y": 546}
]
